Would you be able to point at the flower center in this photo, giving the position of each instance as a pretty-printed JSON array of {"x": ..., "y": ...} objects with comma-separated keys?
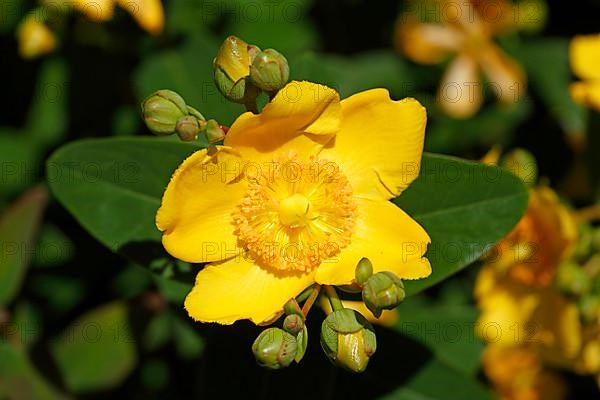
[
  {"x": 293, "y": 210},
  {"x": 296, "y": 213}
]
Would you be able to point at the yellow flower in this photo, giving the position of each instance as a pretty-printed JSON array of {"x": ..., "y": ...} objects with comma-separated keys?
[
  {"x": 517, "y": 374},
  {"x": 35, "y": 38},
  {"x": 298, "y": 194},
  {"x": 585, "y": 63},
  {"x": 545, "y": 236},
  {"x": 513, "y": 289},
  {"x": 466, "y": 31},
  {"x": 149, "y": 14}
]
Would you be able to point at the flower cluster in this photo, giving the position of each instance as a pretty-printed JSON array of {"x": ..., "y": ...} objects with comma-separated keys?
[
  {"x": 540, "y": 288},
  {"x": 295, "y": 201}
]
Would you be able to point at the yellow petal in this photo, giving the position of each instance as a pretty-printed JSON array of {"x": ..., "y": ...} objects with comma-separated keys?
[
  {"x": 460, "y": 94},
  {"x": 558, "y": 326},
  {"x": 505, "y": 316},
  {"x": 149, "y": 14},
  {"x": 380, "y": 143},
  {"x": 301, "y": 118},
  {"x": 96, "y": 10},
  {"x": 386, "y": 235},
  {"x": 506, "y": 77},
  {"x": 233, "y": 58},
  {"x": 239, "y": 289},
  {"x": 196, "y": 211},
  {"x": 586, "y": 93},
  {"x": 584, "y": 54},
  {"x": 426, "y": 43}
]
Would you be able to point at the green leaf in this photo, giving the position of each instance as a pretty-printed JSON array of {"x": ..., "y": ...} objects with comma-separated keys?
[
  {"x": 27, "y": 321},
  {"x": 188, "y": 343},
  {"x": 18, "y": 230},
  {"x": 19, "y": 379},
  {"x": 437, "y": 381},
  {"x": 465, "y": 207},
  {"x": 113, "y": 188},
  {"x": 97, "y": 351},
  {"x": 47, "y": 119},
  {"x": 158, "y": 332},
  {"x": 60, "y": 293},
  {"x": 447, "y": 330},
  {"x": 188, "y": 71},
  {"x": 552, "y": 81},
  {"x": 18, "y": 165},
  {"x": 54, "y": 248}
]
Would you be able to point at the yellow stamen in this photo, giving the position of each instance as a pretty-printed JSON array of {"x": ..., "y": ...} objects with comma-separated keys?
[{"x": 296, "y": 214}]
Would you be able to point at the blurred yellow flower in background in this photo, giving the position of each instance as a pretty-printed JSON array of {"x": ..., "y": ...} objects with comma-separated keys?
[
  {"x": 148, "y": 14},
  {"x": 530, "y": 292},
  {"x": 517, "y": 374},
  {"x": 463, "y": 31},
  {"x": 514, "y": 282},
  {"x": 584, "y": 55},
  {"x": 35, "y": 38}
]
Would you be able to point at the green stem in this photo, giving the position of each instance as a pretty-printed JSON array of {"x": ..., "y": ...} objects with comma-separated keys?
[
  {"x": 311, "y": 300},
  {"x": 305, "y": 294},
  {"x": 335, "y": 301}
]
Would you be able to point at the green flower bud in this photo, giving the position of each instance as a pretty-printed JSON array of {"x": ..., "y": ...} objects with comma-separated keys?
[
  {"x": 572, "y": 279},
  {"x": 293, "y": 324},
  {"x": 188, "y": 128},
  {"x": 274, "y": 348},
  {"x": 348, "y": 339},
  {"x": 383, "y": 291},
  {"x": 364, "y": 270},
  {"x": 214, "y": 131},
  {"x": 589, "y": 307},
  {"x": 522, "y": 164},
  {"x": 269, "y": 71},
  {"x": 232, "y": 67},
  {"x": 162, "y": 110}
]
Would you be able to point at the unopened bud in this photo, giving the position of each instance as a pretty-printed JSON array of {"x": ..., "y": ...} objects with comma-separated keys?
[
  {"x": 162, "y": 110},
  {"x": 364, "y": 270},
  {"x": 214, "y": 131},
  {"x": 383, "y": 291},
  {"x": 293, "y": 324},
  {"x": 270, "y": 70},
  {"x": 232, "y": 67},
  {"x": 522, "y": 164},
  {"x": 572, "y": 279},
  {"x": 274, "y": 348},
  {"x": 348, "y": 339},
  {"x": 188, "y": 128}
]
